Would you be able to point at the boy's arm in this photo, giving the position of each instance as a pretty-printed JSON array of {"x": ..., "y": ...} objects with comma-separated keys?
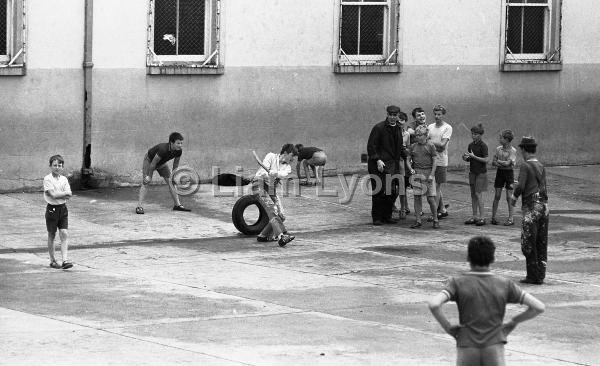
[
  {"x": 534, "y": 308},
  {"x": 433, "y": 168},
  {"x": 175, "y": 163},
  {"x": 435, "y": 306}
]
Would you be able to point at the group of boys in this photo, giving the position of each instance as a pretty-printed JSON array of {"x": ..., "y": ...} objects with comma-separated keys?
[{"x": 402, "y": 155}]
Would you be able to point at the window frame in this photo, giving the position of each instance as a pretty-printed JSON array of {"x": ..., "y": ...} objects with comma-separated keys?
[
  {"x": 207, "y": 63},
  {"x": 389, "y": 60},
  {"x": 551, "y": 58},
  {"x": 12, "y": 60}
]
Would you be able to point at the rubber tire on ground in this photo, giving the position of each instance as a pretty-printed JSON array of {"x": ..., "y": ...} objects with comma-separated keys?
[{"x": 237, "y": 215}]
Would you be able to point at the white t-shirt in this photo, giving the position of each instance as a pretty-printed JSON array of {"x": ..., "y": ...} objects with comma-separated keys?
[
  {"x": 271, "y": 161},
  {"x": 436, "y": 135},
  {"x": 58, "y": 185}
]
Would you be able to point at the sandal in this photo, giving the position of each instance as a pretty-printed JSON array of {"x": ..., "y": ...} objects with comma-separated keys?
[
  {"x": 55, "y": 265},
  {"x": 480, "y": 222},
  {"x": 67, "y": 265},
  {"x": 470, "y": 221},
  {"x": 139, "y": 210},
  {"x": 417, "y": 224},
  {"x": 305, "y": 183},
  {"x": 509, "y": 222},
  {"x": 494, "y": 221}
]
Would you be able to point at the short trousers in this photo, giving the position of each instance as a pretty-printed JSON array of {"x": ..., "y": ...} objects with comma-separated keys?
[
  {"x": 504, "y": 178},
  {"x": 421, "y": 185},
  {"x": 318, "y": 159},
  {"x": 57, "y": 217},
  {"x": 440, "y": 174},
  {"x": 162, "y": 170},
  {"x": 478, "y": 182}
]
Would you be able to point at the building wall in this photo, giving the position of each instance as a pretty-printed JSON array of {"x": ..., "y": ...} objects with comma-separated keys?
[{"x": 279, "y": 87}]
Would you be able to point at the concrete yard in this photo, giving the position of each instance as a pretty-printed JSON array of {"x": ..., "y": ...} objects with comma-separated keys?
[{"x": 174, "y": 288}]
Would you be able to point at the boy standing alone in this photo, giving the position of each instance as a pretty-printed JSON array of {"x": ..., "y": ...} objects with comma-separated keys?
[
  {"x": 481, "y": 298},
  {"x": 56, "y": 193},
  {"x": 477, "y": 157},
  {"x": 504, "y": 159}
]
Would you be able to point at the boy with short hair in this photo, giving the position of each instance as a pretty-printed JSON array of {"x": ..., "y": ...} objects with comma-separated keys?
[
  {"x": 481, "y": 298},
  {"x": 440, "y": 133},
  {"x": 56, "y": 193},
  {"x": 264, "y": 184},
  {"x": 423, "y": 166},
  {"x": 504, "y": 160},
  {"x": 476, "y": 155},
  {"x": 419, "y": 118},
  {"x": 156, "y": 159},
  {"x": 402, "y": 119}
]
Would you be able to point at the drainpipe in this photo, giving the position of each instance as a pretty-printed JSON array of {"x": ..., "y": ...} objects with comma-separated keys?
[{"x": 86, "y": 168}]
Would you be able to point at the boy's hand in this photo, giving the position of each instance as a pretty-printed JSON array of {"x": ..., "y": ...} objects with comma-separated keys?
[
  {"x": 380, "y": 165},
  {"x": 513, "y": 201},
  {"x": 508, "y": 327},
  {"x": 454, "y": 330},
  {"x": 146, "y": 179},
  {"x": 431, "y": 177},
  {"x": 412, "y": 171}
]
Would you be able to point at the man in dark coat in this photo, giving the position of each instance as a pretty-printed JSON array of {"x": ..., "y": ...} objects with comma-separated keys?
[{"x": 386, "y": 162}]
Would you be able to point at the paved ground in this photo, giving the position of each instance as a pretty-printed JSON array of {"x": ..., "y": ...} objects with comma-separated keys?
[{"x": 186, "y": 288}]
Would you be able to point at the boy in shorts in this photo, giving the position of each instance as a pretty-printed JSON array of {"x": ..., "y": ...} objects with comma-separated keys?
[
  {"x": 440, "y": 133},
  {"x": 56, "y": 193},
  {"x": 481, "y": 298},
  {"x": 314, "y": 158},
  {"x": 156, "y": 159},
  {"x": 476, "y": 155},
  {"x": 423, "y": 155},
  {"x": 505, "y": 159}
]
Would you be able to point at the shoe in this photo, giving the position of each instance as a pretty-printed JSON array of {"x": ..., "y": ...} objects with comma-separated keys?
[
  {"x": 139, "y": 210},
  {"x": 442, "y": 215},
  {"x": 55, "y": 265},
  {"x": 436, "y": 224},
  {"x": 531, "y": 281},
  {"x": 305, "y": 183},
  {"x": 417, "y": 224},
  {"x": 470, "y": 221},
  {"x": 390, "y": 220},
  {"x": 284, "y": 239},
  {"x": 406, "y": 211},
  {"x": 402, "y": 215},
  {"x": 494, "y": 221},
  {"x": 262, "y": 239},
  {"x": 509, "y": 222},
  {"x": 67, "y": 265},
  {"x": 377, "y": 223},
  {"x": 480, "y": 222},
  {"x": 181, "y": 208}
]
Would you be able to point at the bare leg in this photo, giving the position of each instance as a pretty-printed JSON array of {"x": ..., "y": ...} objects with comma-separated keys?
[
  {"x": 51, "y": 246},
  {"x": 173, "y": 191},
  {"x": 298, "y": 169},
  {"x": 64, "y": 244},
  {"x": 306, "y": 171},
  {"x": 315, "y": 172},
  {"x": 497, "y": 195},
  {"x": 480, "y": 204},
  {"x": 509, "y": 193},
  {"x": 142, "y": 195},
  {"x": 432, "y": 207},
  {"x": 474, "y": 204},
  {"x": 418, "y": 207}
]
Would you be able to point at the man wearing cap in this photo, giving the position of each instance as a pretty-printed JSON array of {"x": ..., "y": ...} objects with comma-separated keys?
[
  {"x": 386, "y": 166},
  {"x": 534, "y": 200}
]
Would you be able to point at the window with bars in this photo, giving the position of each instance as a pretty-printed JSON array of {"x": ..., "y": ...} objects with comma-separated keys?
[
  {"x": 368, "y": 33},
  {"x": 532, "y": 31},
  {"x": 12, "y": 45},
  {"x": 183, "y": 33}
]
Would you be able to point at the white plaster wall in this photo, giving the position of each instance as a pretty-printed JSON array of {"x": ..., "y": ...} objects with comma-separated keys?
[
  {"x": 581, "y": 31},
  {"x": 120, "y": 33},
  {"x": 278, "y": 32},
  {"x": 457, "y": 32},
  {"x": 55, "y": 34}
]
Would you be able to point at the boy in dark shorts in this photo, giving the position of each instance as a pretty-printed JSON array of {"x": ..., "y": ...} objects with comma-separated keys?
[
  {"x": 56, "y": 193},
  {"x": 156, "y": 159},
  {"x": 504, "y": 160},
  {"x": 476, "y": 155},
  {"x": 481, "y": 298},
  {"x": 314, "y": 158}
]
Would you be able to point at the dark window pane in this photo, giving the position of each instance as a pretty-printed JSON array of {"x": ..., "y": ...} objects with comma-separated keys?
[
  {"x": 533, "y": 30},
  {"x": 3, "y": 27},
  {"x": 191, "y": 27},
  {"x": 514, "y": 31},
  {"x": 371, "y": 30},
  {"x": 165, "y": 17},
  {"x": 349, "y": 30}
]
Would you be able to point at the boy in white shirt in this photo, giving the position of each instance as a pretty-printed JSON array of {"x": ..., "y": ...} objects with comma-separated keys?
[
  {"x": 440, "y": 133},
  {"x": 56, "y": 193},
  {"x": 264, "y": 184}
]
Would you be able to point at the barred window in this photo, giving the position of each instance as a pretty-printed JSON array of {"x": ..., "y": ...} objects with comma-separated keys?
[
  {"x": 532, "y": 31},
  {"x": 368, "y": 33},
  {"x": 12, "y": 55},
  {"x": 183, "y": 33}
]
